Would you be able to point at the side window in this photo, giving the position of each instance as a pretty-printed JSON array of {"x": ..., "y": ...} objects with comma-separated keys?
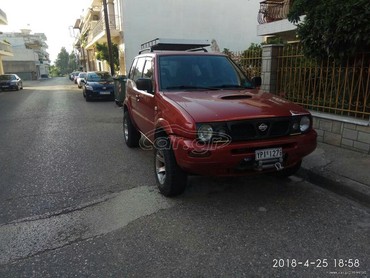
[
  {"x": 138, "y": 69},
  {"x": 148, "y": 68},
  {"x": 132, "y": 69}
]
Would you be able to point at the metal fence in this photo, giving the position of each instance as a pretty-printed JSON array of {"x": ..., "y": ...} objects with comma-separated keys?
[
  {"x": 325, "y": 86},
  {"x": 249, "y": 60}
]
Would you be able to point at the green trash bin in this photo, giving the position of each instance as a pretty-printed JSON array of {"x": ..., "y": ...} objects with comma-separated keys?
[{"x": 119, "y": 89}]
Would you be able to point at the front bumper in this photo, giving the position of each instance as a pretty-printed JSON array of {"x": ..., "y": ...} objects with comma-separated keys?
[
  {"x": 239, "y": 158},
  {"x": 100, "y": 95},
  {"x": 8, "y": 87}
]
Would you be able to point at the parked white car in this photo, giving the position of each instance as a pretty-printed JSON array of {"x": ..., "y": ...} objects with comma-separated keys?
[{"x": 81, "y": 76}]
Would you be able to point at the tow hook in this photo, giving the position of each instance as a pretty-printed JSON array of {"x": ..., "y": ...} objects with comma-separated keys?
[{"x": 278, "y": 166}]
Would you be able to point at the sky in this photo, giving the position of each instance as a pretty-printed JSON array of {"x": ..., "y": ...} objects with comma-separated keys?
[{"x": 54, "y": 18}]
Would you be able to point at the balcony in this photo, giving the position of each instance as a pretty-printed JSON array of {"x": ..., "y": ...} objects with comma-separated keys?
[
  {"x": 6, "y": 49},
  {"x": 273, "y": 10},
  {"x": 97, "y": 31},
  {"x": 273, "y": 22}
]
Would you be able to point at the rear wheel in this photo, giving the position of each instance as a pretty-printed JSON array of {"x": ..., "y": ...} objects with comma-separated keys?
[
  {"x": 171, "y": 179},
  {"x": 130, "y": 133}
]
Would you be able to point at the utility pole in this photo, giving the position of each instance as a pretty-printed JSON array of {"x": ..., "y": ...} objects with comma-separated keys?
[{"x": 109, "y": 41}]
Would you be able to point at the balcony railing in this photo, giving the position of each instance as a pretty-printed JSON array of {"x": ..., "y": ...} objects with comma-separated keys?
[
  {"x": 273, "y": 10},
  {"x": 100, "y": 27}
]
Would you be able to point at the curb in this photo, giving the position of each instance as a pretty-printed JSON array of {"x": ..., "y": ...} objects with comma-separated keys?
[{"x": 338, "y": 184}]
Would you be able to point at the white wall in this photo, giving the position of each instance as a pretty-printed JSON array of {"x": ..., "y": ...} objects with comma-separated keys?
[{"x": 232, "y": 23}]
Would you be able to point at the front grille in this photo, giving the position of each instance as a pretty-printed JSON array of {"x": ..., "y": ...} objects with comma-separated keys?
[{"x": 258, "y": 129}]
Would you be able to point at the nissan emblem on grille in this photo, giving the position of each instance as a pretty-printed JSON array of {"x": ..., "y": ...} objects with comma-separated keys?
[{"x": 263, "y": 127}]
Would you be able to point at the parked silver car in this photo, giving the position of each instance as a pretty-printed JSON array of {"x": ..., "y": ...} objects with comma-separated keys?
[{"x": 81, "y": 76}]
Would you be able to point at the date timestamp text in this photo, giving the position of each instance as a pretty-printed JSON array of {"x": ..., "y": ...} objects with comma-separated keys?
[{"x": 316, "y": 263}]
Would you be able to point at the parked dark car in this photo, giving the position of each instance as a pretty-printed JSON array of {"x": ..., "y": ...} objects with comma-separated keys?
[
  {"x": 10, "y": 82},
  {"x": 98, "y": 85}
]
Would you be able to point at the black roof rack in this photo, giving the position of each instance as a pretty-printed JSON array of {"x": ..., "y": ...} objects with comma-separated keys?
[{"x": 161, "y": 44}]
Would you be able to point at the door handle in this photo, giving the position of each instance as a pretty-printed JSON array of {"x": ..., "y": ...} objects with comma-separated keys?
[{"x": 137, "y": 97}]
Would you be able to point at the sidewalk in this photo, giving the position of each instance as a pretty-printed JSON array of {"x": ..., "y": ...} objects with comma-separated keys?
[{"x": 343, "y": 171}]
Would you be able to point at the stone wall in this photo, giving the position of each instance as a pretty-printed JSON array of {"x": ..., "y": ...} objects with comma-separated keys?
[{"x": 343, "y": 132}]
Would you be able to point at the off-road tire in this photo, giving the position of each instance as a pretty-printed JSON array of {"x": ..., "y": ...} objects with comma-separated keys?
[{"x": 171, "y": 179}]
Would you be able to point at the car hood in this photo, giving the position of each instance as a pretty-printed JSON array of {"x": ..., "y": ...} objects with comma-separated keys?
[
  {"x": 100, "y": 83},
  {"x": 224, "y": 105}
]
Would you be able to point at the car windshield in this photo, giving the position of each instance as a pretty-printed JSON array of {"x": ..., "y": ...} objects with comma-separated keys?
[
  {"x": 99, "y": 76},
  {"x": 6, "y": 77},
  {"x": 203, "y": 72}
]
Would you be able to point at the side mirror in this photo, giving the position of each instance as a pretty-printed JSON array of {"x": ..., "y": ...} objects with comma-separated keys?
[
  {"x": 145, "y": 84},
  {"x": 257, "y": 81},
  {"x": 83, "y": 81}
]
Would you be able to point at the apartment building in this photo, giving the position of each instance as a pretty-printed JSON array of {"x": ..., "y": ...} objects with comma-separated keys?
[
  {"x": 6, "y": 49},
  {"x": 30, "y": 58},
  {"x": 226, "y": 24}
]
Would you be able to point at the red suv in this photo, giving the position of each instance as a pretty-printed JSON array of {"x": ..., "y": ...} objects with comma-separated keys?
[{"x": 203, "y": 116}]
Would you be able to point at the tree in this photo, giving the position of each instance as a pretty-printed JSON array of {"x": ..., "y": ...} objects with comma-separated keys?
[
  {"x": 332, "y": 28},
  {"x": 62, "y": 62},
  {"x": 103, "y": 54},
  {"x": 54, "y": 71},
  {"x": 72, "y": 62}
]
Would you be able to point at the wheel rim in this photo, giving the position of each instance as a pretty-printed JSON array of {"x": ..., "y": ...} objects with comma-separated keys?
[
  {"x": 125, "y": 128},
  {"x": 160, "y": 167}
]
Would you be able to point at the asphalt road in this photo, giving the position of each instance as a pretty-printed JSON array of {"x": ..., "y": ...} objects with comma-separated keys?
[{"x": 76, "y": 202}]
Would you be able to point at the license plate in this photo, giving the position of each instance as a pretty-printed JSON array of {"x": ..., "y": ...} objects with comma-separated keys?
[
  {"x": 105, "y": 93},
  {"x": 269, "y": 153}
]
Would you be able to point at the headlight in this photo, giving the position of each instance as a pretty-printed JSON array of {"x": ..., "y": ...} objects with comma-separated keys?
[
  {"x": 205, "y": 132},
  {"x": 305, "y": 123},
  {"x": 90, "y": 88}
]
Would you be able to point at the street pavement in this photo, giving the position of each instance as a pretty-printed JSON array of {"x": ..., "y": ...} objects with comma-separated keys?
[
  {"x": 76, "y": 202},
  {"x": 343, "y": 171}
]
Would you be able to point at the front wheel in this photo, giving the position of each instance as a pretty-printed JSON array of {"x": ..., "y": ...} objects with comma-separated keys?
[{"x": 171, "y": 179}]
